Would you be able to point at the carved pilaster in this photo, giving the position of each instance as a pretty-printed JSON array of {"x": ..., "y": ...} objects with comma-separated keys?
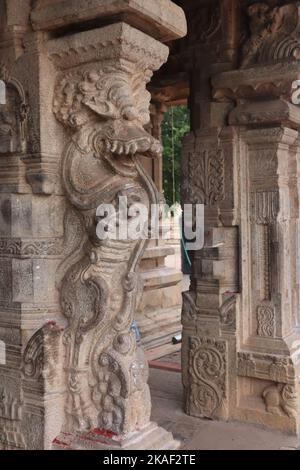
[
  {"x": 267, "y": 124},
  {"x": 211, "y": 307},
  {"x": 206, "y": 396}
]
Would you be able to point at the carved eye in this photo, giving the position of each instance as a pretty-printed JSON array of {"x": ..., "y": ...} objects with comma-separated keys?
[
  {"x": 129, "y": 113},
  {"x": 93, "y": 77},
  {"x": 2, "y": 92}
]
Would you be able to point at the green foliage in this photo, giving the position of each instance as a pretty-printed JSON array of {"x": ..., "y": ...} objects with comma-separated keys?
[{"x": 178, "y": 118}]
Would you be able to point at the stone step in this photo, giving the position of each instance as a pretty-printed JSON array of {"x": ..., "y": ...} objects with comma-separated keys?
[
  {"x": 167, "y": 332},
  {"x": 161, "y": 277},
  {"x": 158, "y": 252},
  {"x": 162, "y": 351},
  {"x": 155, "y": 341},
  {"x": 159, "y": 317},
  {"x": 163, "y": 325}
]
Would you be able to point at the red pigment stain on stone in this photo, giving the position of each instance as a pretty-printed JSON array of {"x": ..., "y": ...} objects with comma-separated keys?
[
  {"x": 60, "y": 443},
  {"x": 104, "y": 433}
]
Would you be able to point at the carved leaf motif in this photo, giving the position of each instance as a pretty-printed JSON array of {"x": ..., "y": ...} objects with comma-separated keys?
[
  {"x": 206, "y": 177},
  {"x": 264, "y": 207}
]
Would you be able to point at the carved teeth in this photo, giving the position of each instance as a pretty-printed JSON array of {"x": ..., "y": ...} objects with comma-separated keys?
[
  {"x": 114, "y": 146},
  {"x": 134, "y": 148},
  {"x": 120, "y": 149}
]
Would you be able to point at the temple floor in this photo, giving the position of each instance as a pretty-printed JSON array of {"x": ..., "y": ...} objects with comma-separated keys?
[{"x": 198, "y": 434}]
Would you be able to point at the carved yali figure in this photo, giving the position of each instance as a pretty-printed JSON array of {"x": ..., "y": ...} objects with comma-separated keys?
[
  {"x": 281, "y": 399},
  {"x": 107, "y": 373},
  {"x": 274, "y": 34}
]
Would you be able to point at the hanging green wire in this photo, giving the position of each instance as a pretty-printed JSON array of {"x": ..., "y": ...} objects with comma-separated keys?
[
  {"x": 173, "y": 157},
  {"x": 175, "y": 126}
]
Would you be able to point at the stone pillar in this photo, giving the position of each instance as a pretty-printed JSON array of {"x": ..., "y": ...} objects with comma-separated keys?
[
  {"x": 74, "y": 376},
  {"x": 209, "y": 309},
  {"x": 241, "y": 318},
  {"x": 267, "y": 144},
  {"x": 209, "y": 174}
]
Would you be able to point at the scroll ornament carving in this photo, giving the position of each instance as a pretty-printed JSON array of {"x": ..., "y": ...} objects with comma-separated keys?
[
  {"x": 189, "y": 308},
  {"x": 207, "y": 369},
  {"x": 266, "y": 321},
  {"x": 107, "y": 109},
  {"x": 274, "y": 34},
  {"x": 41, "y": 355},
  {"x": 228, "y": 313},
  {"x": 73, "y": 242},
  {"x": 281, "y": 399}
]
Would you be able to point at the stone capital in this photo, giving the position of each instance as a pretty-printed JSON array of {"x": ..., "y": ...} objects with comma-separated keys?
[
  {"x": 161, "y": 19},
  {"x": 118, "y": 44},
  {"x": 260, "y": 82}
]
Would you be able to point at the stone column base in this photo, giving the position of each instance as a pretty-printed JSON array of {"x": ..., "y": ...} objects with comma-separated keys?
[{"x": 151, "y": 437}]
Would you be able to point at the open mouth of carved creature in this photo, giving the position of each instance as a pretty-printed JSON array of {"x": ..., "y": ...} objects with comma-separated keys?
[{"x": 128, "y": 139}]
